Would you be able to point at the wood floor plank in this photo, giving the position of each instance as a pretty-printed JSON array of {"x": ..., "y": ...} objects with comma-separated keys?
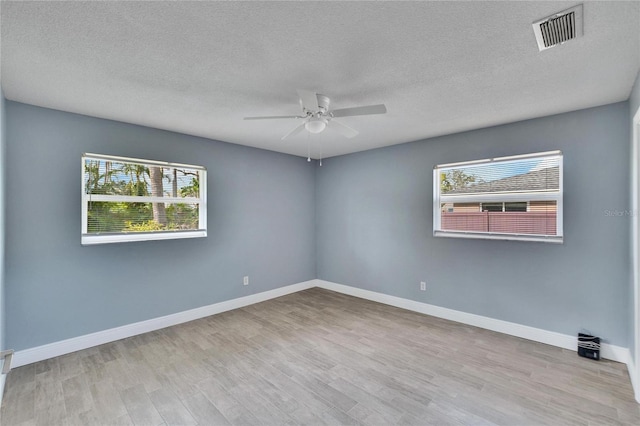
[
  {"x": 320, "y": 358},
  {"x": 171, "y": 408},
  {"x": 77, "y": 395},
  {"x": 139, "y": 406},
  {"x": 18, "y": 405},
  {"x": 203, "y": 410},
  {"x": 106, "y": 401},
  {"x": 376, "y": 409},
  {"x": 226, "y": 403}
]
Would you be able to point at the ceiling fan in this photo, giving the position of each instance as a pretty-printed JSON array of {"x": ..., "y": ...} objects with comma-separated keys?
[{"x": 317, "y": 115}]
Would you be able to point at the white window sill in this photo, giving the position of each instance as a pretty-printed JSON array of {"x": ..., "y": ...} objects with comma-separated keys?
[
  {"x": 555, "y": 239},
  {"x": 91, "y": 239}
]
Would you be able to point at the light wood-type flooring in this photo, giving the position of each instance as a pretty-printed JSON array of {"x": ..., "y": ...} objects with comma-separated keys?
[{"x": 318, "y": 357}]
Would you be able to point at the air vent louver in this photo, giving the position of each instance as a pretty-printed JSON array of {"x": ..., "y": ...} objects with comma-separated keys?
[{"x": 559, "y": 28}]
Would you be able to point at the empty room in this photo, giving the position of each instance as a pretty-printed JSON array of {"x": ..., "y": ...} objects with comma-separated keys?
[{"x": 306, "y": 213}]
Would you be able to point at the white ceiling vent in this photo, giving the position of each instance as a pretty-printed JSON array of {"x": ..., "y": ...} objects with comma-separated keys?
[{"x": 559, "y": 28}]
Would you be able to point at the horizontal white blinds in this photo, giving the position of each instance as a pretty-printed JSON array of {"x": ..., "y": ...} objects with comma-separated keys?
[
  {"x": 123, "y": 178},
  {"x": 526, "y": 175}
]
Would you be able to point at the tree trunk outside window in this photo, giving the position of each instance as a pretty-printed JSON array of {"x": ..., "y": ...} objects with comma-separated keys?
[{"x": 159, "y": 214}]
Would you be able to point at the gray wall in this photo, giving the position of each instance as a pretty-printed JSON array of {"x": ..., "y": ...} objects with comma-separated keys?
[
  {"x": 374, "y": 227},
  {"x": 260, "y": 219},
  {"x": 634, "y": 104},
  {"x": 2, "y": 210},
  {"x": 363, "y": 220}
]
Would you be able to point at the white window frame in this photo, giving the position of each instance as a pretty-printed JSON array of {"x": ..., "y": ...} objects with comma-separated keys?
[
  {"x": 504, "y": 205},
  {"x": 556, "y": 196},
  {"x": 106, "y": 238}
]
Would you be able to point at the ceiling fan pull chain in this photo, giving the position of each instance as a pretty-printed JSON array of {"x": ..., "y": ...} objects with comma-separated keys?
[{"x": 308, "y": 147}]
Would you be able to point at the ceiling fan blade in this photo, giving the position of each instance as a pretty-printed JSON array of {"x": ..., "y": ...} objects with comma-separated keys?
[
  {"x": 309, "y": 99},
  {"x": 363, "y": 110},
  {"x": 294, "y": 131},
  {"x": 343, "y": 129},
  {"x": 272, "y": 117}
]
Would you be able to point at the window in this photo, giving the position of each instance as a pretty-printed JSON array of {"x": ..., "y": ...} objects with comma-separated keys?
[
  {"x": 503, "y": 207},
  {"x": 492, "y": 207},
  {"x": 128, "y": 199},
  {"x": 513, "y": 198}
]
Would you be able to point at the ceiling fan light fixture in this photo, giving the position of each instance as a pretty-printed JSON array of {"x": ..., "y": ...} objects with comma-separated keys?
[{"x": 316, "y": 124}]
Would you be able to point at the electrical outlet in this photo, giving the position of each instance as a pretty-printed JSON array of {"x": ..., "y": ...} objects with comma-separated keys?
[
  {"x": 423, "y": 285},
  {"x": 245, "y": 281}
]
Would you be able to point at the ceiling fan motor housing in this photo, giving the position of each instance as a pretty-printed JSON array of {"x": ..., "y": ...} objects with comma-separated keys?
[{"x": 323, "y": 105}]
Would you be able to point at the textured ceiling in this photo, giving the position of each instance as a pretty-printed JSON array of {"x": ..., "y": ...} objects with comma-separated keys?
[{"x": 200, "y": 67}]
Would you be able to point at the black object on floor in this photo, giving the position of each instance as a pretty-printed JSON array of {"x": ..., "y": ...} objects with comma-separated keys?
[{"x": 588, "y": 346}]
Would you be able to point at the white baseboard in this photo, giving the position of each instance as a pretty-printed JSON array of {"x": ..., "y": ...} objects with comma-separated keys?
[
  {"x": 633, "y": 375},
  {"x": 40, "y": 353},
  {"x": 28, "y": 356},
  {"x": 3, "y": 380},
  {"x": 612, "y": 352}
]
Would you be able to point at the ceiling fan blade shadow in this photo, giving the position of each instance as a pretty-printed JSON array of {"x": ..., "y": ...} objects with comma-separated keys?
[
  {"x": 309, "y": 99},
  {"x": 270, "y": 117},
  {"x": 294, "y": 131},
  {"x": 363, "y": 110},
  {"x": 343, "y": 129}
]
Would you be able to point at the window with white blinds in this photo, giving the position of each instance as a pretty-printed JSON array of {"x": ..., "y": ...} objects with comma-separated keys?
[
  {"x": 513, "y": 198},
  {"x": 129, "y": 199}
]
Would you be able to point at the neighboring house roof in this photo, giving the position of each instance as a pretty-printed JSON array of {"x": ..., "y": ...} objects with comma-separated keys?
[{"x": 537, "y": 180}]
